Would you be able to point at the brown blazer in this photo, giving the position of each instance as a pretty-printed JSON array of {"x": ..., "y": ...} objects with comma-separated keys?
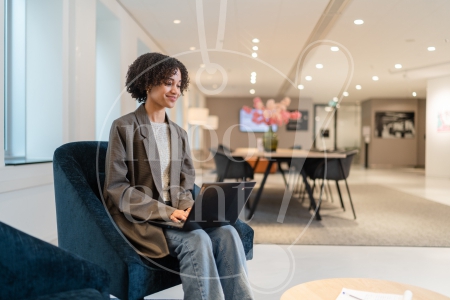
[{"x": 133, "y": 180}]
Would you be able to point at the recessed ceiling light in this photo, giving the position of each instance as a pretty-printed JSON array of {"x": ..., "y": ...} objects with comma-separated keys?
[
  {"x": 375, "y": 78},
  {"x": 358, "y": 87},
  {"x": 252, "y": 91},
  {"x": 252, "y": 81},
  {"x": 255, "y": 48},
  {"x": 253, "y": 73},
  {"x": 398, "y": 66},
  {"x": 300, "y": 87},
  {"x": 345, "y": 94},
  {"x": 358, "y": 22},
  {"x": 202, "y": 65},
  {"x": 319, "y": 66},
  {"x": 309, "y": 78},
  {"x": 254, "y": 54},
  {"x": 414, "y": 94},
  {"x": 335, "y": 99},
  {"x": 255, "y": 41},
  {"x": 192, "y": 48},
  {"x": 431, "y": 48},
  {"x": 177, "y": 21},
  {"x": 334, "y": 48}
]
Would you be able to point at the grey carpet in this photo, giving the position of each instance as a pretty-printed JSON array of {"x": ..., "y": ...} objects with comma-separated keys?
[{"x": 385, "y": 217}]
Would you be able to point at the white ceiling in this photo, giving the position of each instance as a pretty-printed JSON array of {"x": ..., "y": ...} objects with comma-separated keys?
[{"x": 394, "y": 31}]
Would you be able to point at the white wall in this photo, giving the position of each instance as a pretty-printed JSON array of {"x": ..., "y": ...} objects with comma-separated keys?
[
  {"x": 437, "y": 163},
  {"x": 107, "y": 71},
  {"x": 390, "y": 152},
  {"x": 26, "y": 192}
]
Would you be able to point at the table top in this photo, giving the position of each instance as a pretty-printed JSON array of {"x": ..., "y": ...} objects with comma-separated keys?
[
  {"x": 329, "y": 289},
  {"x": 285, "y": 153}
]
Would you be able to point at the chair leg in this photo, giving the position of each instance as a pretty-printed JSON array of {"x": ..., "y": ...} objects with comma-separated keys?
[
  {"x": 295, "y": 187},
  {"x": 327, "y": 196},
  {"x": 340, "y": 195},
  {"x": 320, "y": 193},
  {"x": 350, "y": 197},
  {"x": 313, "y": 188},
  {"x": 302, "y": 192},
  {"x": 329, "y": 190}
]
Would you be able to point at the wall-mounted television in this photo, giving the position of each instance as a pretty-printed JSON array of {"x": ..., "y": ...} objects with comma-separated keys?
[{"x": 247, "y": 125}]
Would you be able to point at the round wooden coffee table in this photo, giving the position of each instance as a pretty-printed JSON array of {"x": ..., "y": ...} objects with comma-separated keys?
[{"x": 329, "y": 289}]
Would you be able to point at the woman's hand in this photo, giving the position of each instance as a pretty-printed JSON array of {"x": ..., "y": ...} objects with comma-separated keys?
[{"x": 179, "y": 215}]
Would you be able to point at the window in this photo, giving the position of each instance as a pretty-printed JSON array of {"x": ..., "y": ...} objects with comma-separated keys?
[{"x": 33, "y": 80}]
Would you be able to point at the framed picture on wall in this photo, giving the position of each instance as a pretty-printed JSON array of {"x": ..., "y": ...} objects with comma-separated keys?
[
  {"x": 443, "y": 121},
  {"x": 300, "y": 124},
  {"x": 394, "y": 125}
]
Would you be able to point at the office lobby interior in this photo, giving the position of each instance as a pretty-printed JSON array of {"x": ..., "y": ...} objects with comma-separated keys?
[{"x": 338, "y": 110}]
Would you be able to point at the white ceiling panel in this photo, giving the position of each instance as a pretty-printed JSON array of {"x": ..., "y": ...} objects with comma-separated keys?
[{"x": 393, "y": 32}]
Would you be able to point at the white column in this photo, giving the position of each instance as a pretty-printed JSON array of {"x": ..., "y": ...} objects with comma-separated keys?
[{"x": 82, "y": 65}]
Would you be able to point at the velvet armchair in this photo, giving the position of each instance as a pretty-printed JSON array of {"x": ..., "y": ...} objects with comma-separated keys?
[
  {"x": 34, "y": 269},
  {"x": 86, "y": 228}
]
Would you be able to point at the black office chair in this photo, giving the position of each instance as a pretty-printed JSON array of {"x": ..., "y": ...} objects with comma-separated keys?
[
  {"x": 225, "y": 149},
  {"x": 332, "y": 169},
  {"x": 228, "y": 167}
]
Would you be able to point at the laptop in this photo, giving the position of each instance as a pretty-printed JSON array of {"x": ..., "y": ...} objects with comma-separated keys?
[{"x": 217, "y": 204}]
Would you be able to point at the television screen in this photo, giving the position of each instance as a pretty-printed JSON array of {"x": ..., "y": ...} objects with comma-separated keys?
[{"x": 247, "y": 125}]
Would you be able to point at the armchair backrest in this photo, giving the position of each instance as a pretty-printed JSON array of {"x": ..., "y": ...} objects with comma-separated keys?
[
  {"x": 83, "y": 163},
  {"x": 79, "y": 174}
]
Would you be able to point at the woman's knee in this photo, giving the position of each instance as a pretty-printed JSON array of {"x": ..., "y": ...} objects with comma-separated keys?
[
  {"x": 199, "y": 239},
  {"x": 227, "y": 234},
  {"x": 229, "y": 231}
]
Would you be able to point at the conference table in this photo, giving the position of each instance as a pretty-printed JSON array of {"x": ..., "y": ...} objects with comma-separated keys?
[{"x": 284, "y": 155}]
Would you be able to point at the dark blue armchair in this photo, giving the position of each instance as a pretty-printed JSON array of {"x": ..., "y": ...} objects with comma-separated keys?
[
  {"x": 33, "y": 269},
  {"x": 85, "y": 227}
]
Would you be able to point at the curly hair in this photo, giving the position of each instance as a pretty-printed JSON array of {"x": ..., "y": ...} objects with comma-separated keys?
[{"x": 152, "y": 69}]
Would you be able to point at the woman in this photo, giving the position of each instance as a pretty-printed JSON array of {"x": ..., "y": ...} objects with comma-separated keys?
[{"x": 150, "y": 175}]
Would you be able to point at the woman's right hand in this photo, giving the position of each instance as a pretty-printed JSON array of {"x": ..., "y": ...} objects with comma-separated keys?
[{"x": 179, "y": 216}]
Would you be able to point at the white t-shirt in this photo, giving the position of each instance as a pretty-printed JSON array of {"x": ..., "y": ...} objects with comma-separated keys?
[{"x": 162, "y": 136}]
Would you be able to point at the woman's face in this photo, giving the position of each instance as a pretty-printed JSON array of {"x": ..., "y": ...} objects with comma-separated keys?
[{"x": 167, "y": 93}]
